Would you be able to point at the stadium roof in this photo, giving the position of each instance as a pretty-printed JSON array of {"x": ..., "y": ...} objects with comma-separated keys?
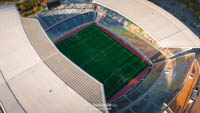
[
  {"x": 27, "y": 84},
  {"x": 162, "y": 26},
  {"x": 30, "y": 66}
]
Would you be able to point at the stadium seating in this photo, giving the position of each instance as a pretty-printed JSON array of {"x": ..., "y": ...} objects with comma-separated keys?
[
  {"x": 177, "y": 50},
  {"x": 112, "y": 20},
  {"x": 106, "y": 20},
  {"x": 60, "y": 21},
  {"x": 82, "y": 1},
  {"x": 65, "y": 26},
  {"x": 58, "y": 14},
  {"x": 41, "y": 22},
  {"x": 162, "y": 81},
  {"x": 78, "y": 80},
  {"x": 71, "y": 23},
  {"x": 57, "y": 22},
  {"x": 47, "y": 18},
  {"x": 115, "y": 20},
  {"x": 50, "y": 18},
  {"x": 133, "y": 94},
  {"x": 79, "y": 19},
  {"x": 89, "y": 17},
  {"x": 61, "y": 28},
  {"x": 53, "y": 34},
  {"x": 123, "y": 27},
  {"x": 165, "y": 80},
  {"x": 83, "y": 13}
]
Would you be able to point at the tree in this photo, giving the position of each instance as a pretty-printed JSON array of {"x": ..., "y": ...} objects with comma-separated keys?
[
  {"x": 44, "y": 3},
  {"x": 198, "y": 14},
  {"x": 22, "y": 7}
]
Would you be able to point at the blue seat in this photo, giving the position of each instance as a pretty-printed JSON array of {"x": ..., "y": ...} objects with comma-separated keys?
[
  {"x": 53, "y": 34},
  {"x": 85, "y": 17},
  {"x": 61, "y": 28},
  {"x": 106, "y": 20},
  {"x": 69, "y": 15},
  {"x": 35, "y": 17},
  {"x": 81, "y": 1},
  {"x": 70, "y": 23},
  {"x": 114, "y": 22},
  {"x": 79, "y": 19},
  {"x": 44, "y": 26},
  {"x": 90, "y": 16},
  {"x": 58, "y": 14},
  {"x": 134, "y": 95},
  {"x": 47, "y": 18}
]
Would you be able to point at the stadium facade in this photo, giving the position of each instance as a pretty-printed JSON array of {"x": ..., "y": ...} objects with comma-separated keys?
[{"x": 37, "y": 77}]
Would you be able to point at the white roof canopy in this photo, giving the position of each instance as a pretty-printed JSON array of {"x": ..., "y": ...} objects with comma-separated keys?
[
  {"x": 26, "y": 82},
  {"x": 162, "y": 26}
]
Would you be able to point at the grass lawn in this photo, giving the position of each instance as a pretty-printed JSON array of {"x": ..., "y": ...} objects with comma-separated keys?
[{"x": 103, "y": 58}]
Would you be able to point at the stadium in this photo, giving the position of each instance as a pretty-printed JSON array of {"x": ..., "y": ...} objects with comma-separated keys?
[{"x": 96, "y": 56}]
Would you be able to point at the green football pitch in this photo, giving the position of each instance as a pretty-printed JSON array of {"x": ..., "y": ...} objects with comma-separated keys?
[{"x": 103, "y": 58}]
